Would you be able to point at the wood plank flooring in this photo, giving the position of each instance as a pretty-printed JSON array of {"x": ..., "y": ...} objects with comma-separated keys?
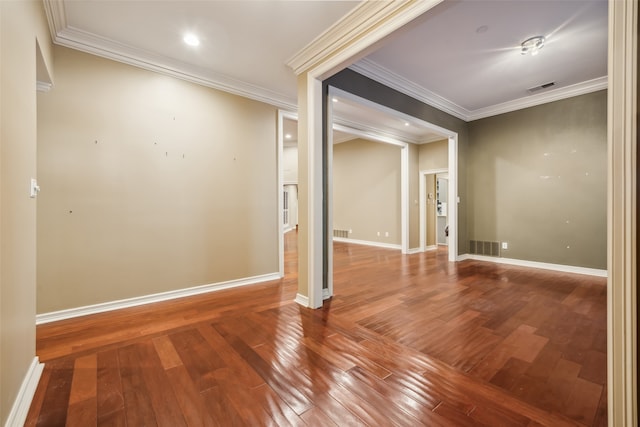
[{"x": 406, "y": 340}]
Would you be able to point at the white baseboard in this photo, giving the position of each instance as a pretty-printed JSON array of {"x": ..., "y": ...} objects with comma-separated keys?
[
  {"x": 367, "y": 243},
  {"x": 21, "y": 405},
  {"x": 536, "y": 264},
  {"x": 413, "y": 251},
  {"x": 302, "y": 300},
  {"x": 326, "y": 294},
  {"x": 148, "y": 299},
  {"x": 431, "y": 248}
]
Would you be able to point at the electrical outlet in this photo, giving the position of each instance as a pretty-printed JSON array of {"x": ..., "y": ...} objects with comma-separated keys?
[{"x": 505, "y": 245}]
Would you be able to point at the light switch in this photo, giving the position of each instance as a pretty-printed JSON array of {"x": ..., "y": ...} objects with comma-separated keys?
[{"x": 35, "y": 188}]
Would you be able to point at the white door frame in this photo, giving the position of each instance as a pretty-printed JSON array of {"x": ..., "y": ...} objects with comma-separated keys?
[
  {"x": 282, "y": 114},
  {"x": 423, "y": 201},
  {"x": 452, "y": 167}
]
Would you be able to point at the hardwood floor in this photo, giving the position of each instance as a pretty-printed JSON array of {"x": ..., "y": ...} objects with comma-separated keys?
[{"x": 406, "y": 340}]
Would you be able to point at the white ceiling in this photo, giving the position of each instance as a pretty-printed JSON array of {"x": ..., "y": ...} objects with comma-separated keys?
[
  {"x": 464, "y": 56},
  {"x": 441, "y": 58}
]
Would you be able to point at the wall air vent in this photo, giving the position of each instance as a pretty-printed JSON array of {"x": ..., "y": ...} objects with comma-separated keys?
[
  {"x": 541, "y": 87},
  {"x": 479, "y": 247},
  {"x": 341, "y": 233}
]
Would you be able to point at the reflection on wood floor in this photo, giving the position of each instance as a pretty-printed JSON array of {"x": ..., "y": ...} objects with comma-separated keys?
[{"x": 406, "y": 340}]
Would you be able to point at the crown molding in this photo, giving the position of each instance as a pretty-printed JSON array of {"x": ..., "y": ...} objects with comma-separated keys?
[
  {"x": 541, "y": 98},
  {"x": 374, "y": 131},
  {"x": 388, "y": 78},
  {"x": 68, "y": 36},
  {"x": 365, "y": 24},
  {"x": 377, "y": 72}
]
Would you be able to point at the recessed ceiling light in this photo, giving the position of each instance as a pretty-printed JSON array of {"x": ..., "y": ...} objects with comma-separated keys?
[
  {"x": 191, "y": 39},
  {"x": 482, "y": 29},
  {"x": 288, "y": 136},
  {"x": 532, "y": 45},
  {"x": 406, "y": 123},
  {"x": 334, "y": 99}
]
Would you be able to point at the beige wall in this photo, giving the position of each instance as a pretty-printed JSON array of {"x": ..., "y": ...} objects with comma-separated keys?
[
  {"x": 434, "y": 155},
  {"x": 149, "y": 184},
  {"x": 537, "y": 180},
  {"x": 366, "y": 190},
  {"x": 290, "y": 165},
  {"x": 21, "y": 24}
]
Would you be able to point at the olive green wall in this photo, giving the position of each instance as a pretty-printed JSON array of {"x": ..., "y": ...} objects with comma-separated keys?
[
  {"x": 366, "y": 190},
  {"x": 537, "y": 180},
  {"x": 149, "y": 184},
  {"x": 22, "y": 25}
]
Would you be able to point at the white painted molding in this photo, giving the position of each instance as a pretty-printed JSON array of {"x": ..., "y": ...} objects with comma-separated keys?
[
  {"x": 372, "y": 130},
  {"x": 413, "y": 251},
  {"x": 43, "y": 86},
  {"x": 431, "y": 248},
  {"x": 84, "y": 41},
  {"x": 354, "y": 34},
  {"x": 376, "y": 72},
  {"x": 622, "y": 215},
  {"x": 541, "y": 98},
  {"x": 149, "y": 299},
  {"x": 302, "y": 300},
  {"x": 21, "y": 405},
  {"x": 368, "y": 243},
  {"x": 326, "y": 293},
  {"x": 535, "y": 264}
]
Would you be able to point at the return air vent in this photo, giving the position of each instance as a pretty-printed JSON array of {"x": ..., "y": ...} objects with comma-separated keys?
[
  {"x": 479, "y": 247},
  {"x": 341, "y": 233},
  {"x": 541, "y": 87}
]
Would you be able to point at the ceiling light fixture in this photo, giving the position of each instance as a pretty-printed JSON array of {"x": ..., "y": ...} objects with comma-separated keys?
[
  {"x": 191, "y": 39},
  {"x": 288, "y": 136},
  {"x": 532, "y": 45},
  {"x": 334, "y": 99}
]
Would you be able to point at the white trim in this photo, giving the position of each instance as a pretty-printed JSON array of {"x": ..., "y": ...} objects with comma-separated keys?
[
  {"x": 404, "y": 198},
  {"x": 431, "y": 248},
  {"x": 302, "y": 300},
  {"x": 354, "y": 33},
  {"x": 315, "y": 193},
  {"x": 368, "y": 243},
  {"x": 70, "y": 313},
  {"x": 454, "y": 199},
  {"x": 413, "y": 251},
  {"x": 422, "y": 197},
  {"x": 84, "y": 41},
  {"x": 535, "y": 264},
  {"x": 622, "y": 215},
  {"x": 328, "y": 291},
  {"x": 443, "y": 132},
  {"x": 577, "y": 89},
  {"x": 282, "y": 114},
  {"x": 377, "y": 72},
  {"x": 21, "y": 405}
]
